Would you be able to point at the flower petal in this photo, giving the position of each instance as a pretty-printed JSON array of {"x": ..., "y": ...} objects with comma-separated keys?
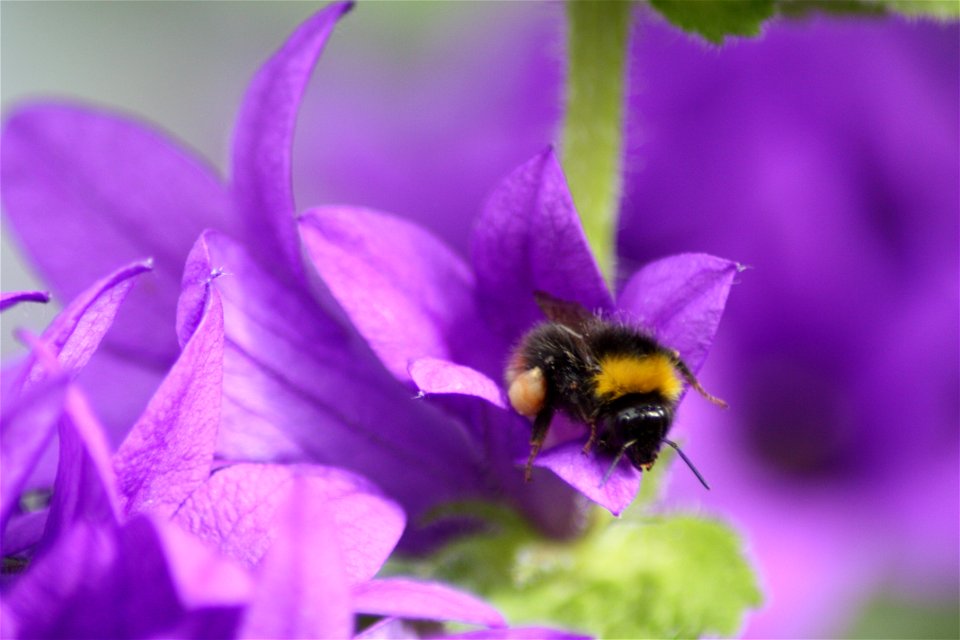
[
  {"x": 119, "y": 405},
  {"x": 23, "y": 531},
  {"x": 26, "y": 428},
  {"x": 103, "y": 582},
  {"x": 519, "y": 633},
  {"x": 87, "y": 189},
  {"x": 85, "y": 488},
  {"x": 302, "y": 587},
  {"x": 407, "y": 293},
  {"x": 528, "y": 239},
  {"x": 585, "y": 474},
  {"x": 169, "y": 451},
  {"x": 263, "y": 140},
  {"x": 236, "y": 511},
  {"x": 201, "y": 577},
  {"x": 368, "y": 525},
  {"x": 432, "y": 375},
  {"x": 77, "y": 331},
  {"x": 298, "y": 387},
  {"x": 7, "y": 300},
  {"x": 74, "y": 577},
  {"x": 503, "y": 435},
  {"x": 399, "y": 629},
  {"x": 681, "y": 299},
  {"x": 405, "y": 598},
  {"x": 388, "y": 629}
]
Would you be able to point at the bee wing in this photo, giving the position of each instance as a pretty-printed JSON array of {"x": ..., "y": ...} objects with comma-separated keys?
[{"x": 571, "y": 314}]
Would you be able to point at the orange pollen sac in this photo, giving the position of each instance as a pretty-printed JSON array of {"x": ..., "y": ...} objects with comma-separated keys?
[{"x": 528, "y": 392}]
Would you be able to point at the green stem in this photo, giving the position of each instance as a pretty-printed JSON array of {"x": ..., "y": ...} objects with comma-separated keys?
[{"x": 593, "y": 124}]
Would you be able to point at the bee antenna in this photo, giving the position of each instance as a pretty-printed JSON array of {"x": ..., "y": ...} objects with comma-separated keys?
[
  {"x": 616, "y": 461},
  {"x": 685, "y": 459}
]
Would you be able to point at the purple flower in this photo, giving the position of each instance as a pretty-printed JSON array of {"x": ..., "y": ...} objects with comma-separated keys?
[
  {"x": 291, "y": 551},
  {"x": 448, "y": 326},
  {"x": 270, "y": 378},
  {"x": 475, "y": 128},
  {"x": 302, "y": 542},
  {"x": 298, "y": 383},
  {"x": 87, "y": 189},
  {"x": 33, "y": 394},
  {"x": 255, "y": 342},
  {"x": 823, "y": 155}
]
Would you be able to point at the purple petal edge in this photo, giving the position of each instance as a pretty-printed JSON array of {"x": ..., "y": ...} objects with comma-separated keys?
[
  {"x": 681, "y": 300},
  {"x": 433, "y": 375},
  {"x": 584, "y": 472},
  {"x": 8, "y": 300},
  {"x": 529, "y": 238},
  {"x": 85, "y": 489},
  {"x": 201, "y": 576},
  {"x": 77, "y": 331},
  {"x": 169, "y": 451},
  {"x": 519, "y": 633},
  {"x": 405, "y": 598},
  {"x": 302, "y": 590},
  {"x": 86, "y": 188},
  {"x": 26, "y": 428},
  {"x": 235, "y": 511},
  {"x": 406, "y": 292},
  {"x": 263, "y": 139}
]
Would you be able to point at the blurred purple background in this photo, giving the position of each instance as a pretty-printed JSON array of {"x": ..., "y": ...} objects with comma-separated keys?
[{"x": 823, "y": 155}]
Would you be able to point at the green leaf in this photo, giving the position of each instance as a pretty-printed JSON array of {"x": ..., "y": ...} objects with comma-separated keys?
[
  {"x": 891, "y": 616},
  {"x": 804, "y": 8},
  {"x": 936, "y": 9},
  {"x": 940, "y": 9},
  {"x": 668, "y": 576},
  {"x": 716, "y": 19}
]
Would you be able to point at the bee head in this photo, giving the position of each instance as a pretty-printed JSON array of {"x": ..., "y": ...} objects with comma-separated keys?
[
  {"x": 636, "y": 426},
  {"x": 642, "y": 419}
]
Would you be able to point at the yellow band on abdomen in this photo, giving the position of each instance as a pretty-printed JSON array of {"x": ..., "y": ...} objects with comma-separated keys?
[{"x": 623, "y": 374}]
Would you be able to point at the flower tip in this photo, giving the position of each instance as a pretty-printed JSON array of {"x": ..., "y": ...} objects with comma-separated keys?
[
  {"x": 549, "y": 152},
  {"x": 13, "y": 298},
  {"x": 337, "y": 9}
]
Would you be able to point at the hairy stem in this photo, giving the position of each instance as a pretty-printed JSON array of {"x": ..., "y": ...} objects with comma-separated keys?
[{"x": 593, "y": 124}]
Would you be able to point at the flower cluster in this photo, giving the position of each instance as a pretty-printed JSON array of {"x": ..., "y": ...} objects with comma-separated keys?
[
  {"x": 252, "y": 449},
  {"x": 276, "y": 551}
]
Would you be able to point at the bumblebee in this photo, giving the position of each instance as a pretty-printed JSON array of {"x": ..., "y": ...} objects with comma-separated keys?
[{"x": 615, "y": 379}]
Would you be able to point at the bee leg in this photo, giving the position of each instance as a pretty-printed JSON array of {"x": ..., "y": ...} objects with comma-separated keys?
[
  {"x": 540, "y": 426},
  {"x": 691, "y": 379},
  {"x": 592, "y": 439}
]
